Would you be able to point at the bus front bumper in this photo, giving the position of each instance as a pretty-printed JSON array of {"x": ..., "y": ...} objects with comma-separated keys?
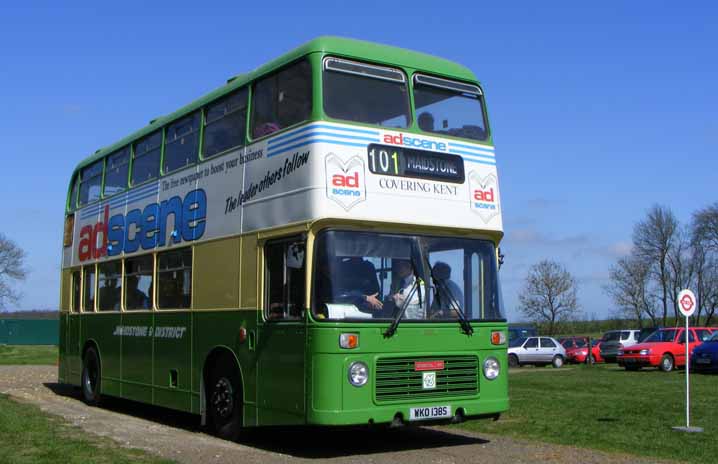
[{"x": 401, "y": 414}]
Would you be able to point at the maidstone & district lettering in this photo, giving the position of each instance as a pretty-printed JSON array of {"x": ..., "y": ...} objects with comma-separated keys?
[{"x": 145, "y": 331}]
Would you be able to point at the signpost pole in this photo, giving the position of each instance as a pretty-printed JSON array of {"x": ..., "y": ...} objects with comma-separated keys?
[
  {"x": 688, "y": 384},
  {"x": 687, "y": 306}
]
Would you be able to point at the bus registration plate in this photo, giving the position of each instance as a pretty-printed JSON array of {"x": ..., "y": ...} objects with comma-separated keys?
[{"x": 429, "y": 412}]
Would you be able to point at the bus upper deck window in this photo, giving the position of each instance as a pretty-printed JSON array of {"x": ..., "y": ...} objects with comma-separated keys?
[
  {"x": 449, "y": 107},
  {"x": 91, "y": 182},
  {"x": 282, "y": 99},
  {"x": 225, "y": 121},
  {"x": 365, "y": 93},
  {"x": 181, "y": 143},
  {"x": 118, "y": 165},
  {"x": 146, "y": 159}
]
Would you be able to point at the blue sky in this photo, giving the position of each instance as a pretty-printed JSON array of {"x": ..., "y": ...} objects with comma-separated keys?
[{"x": 598, "y": 111}]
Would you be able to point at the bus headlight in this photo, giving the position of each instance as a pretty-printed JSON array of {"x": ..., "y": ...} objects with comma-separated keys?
[
  {"x": 358, "y": 373},
  {"x": 491, "y": 368}
]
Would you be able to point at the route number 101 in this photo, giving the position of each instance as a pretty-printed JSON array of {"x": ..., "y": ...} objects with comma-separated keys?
[{"x": 386, "y": 162}]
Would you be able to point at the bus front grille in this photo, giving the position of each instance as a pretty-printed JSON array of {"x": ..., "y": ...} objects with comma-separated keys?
[{"x": 398, "y": 378}]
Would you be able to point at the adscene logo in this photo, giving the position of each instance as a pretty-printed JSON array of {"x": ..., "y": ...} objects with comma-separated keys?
[
  {"x": 147, "y": 228},
  {"x": 484, "y": 199},
  {"x": 413, "y": 142},
  {"x": 345, "y": 180}
]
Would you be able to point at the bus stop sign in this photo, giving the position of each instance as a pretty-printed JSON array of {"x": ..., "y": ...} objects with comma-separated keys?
[
  {"x": 686, "y": 303},
  {"x": 687, "y": 306}
]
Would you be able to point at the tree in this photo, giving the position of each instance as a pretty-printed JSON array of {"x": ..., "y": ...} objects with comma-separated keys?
[
  {"x": 549, "y": 294},
  {"x": 705, "y": 226},
  {"x": 704, "y": 244},
  {"x": 681, "y": 266},
  {"x": 12, "y": 268},
  {"x": 628, "y": 286},
  {"x": 653, "y": 240}
]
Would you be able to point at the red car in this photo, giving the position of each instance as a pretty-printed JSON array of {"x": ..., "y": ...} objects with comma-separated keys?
[
  {"x": 664, "y": 349},
  {"x": 577, "y": 349}
]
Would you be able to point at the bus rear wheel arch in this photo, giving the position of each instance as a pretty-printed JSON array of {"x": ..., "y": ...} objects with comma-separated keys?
[
  {"x": 91, "y": 379},
  {"x": 223, "y": 397}
]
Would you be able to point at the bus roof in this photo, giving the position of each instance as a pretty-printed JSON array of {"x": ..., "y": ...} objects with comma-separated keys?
[{"x": 359, "y": 49}]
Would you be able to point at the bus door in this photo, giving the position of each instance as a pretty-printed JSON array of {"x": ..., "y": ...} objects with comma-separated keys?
[
  {"x": 72, "y": 331},
  {"x": 172, "y": 340},
  {"x": 281, "y": 342}
]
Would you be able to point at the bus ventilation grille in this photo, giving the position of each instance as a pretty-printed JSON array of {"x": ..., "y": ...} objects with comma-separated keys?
[{"x": 397, "y": 379}]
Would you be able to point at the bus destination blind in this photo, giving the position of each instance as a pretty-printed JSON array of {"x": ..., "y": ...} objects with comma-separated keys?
[{"x": 406, "y": 162}]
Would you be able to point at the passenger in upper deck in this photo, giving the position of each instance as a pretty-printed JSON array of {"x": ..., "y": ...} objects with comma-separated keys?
[{"x": 425, "y": 121}]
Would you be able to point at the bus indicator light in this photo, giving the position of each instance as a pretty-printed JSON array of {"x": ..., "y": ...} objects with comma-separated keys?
[
  {"x": 498, "y": 338},
  {"x": 349, "y": 341}
]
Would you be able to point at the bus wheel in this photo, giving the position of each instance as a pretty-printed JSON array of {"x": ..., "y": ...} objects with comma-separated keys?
[
  {"x": 91, "y": 377},
  {"x": 224, "y": 402}
]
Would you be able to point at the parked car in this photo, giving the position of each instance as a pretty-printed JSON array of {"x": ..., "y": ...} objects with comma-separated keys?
[
  {"x": 575, "y": 347},
  {"x": 596, "y": 350},
  {"x": 573, "y": 342},
  {"x": 705, "y": 356},
  {"x": 664, "y": 348},
  {"x": 539, "y": 351},
  {"x": 613, "y": 340},
  {"x": 579, "y": 354}
]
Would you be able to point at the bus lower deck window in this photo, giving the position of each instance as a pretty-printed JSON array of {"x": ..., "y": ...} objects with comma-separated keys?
[
  {"x": 88, "y": 300},
  {"x": 138, "y": 282},
  {"x": 285, "y": 271},
  {"x": 109, "y": 283},
  {"x": 174, "y": 279}
]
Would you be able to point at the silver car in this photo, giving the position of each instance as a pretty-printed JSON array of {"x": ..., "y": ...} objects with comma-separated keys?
[{"x": 539, "y": 351}]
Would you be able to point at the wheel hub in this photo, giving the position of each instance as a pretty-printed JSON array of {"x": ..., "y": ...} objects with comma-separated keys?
[{"x": 223, "y": 398}]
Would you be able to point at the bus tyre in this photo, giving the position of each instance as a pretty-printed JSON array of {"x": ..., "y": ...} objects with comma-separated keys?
[
  {"x": 666, "y": 363},
  {"x": 513, "y": 360},
  {"x": 91, "y": 377},
  {"x": 224, "y": 402},
  {"x": 557, "y": 361}
]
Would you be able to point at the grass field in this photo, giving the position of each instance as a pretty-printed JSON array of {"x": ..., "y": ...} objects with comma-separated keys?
[
  {"x": 29, "y": 436},
  {"x": 607, "y": 408},
  {"x": 28, "y": 354}
]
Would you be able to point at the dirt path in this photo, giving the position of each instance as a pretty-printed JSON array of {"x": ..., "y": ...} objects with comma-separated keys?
[{"x": 177, "y": 436}]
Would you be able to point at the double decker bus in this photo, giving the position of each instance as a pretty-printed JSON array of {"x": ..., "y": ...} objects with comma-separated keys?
[{"x": 315, "y": 242}]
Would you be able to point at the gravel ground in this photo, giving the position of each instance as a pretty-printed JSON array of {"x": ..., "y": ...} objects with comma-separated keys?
[{"x": 177, "y": 436}]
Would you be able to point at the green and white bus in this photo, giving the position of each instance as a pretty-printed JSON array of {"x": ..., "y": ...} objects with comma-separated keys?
[{"x": 315, "y": 242}]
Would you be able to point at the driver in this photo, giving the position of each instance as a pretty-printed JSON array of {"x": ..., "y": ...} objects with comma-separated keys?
[
  {"x": 348, "y": 280},
  {"x": 405, "y": 272}
]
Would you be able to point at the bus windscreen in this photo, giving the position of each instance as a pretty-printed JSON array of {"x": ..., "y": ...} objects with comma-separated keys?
[{"x": 375, "y": 276}]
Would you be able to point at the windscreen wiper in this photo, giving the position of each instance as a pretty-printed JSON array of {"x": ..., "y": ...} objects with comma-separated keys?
[
  {"x": 395, "y": 323},
  {"x": 454, "y": 303},
  {"x": 465, "y": 324},
  {"x": 416, "y": 286}
]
